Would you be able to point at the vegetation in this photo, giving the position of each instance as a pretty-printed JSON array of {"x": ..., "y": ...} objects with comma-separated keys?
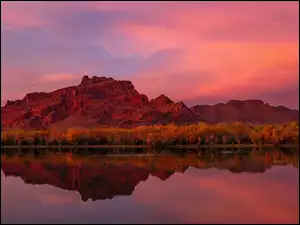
[{"x": 160, "y": 136}]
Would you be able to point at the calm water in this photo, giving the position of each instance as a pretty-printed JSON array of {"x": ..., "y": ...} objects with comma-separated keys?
[{"x": 259, "y": 187}]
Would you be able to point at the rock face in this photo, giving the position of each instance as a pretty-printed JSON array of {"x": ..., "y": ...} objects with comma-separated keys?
[
  {"x": 253, "y": 111},
  {"x": 101, "y": 101}
]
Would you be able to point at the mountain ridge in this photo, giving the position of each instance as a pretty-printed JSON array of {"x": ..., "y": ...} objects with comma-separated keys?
[{"x": 102, "y": 101}]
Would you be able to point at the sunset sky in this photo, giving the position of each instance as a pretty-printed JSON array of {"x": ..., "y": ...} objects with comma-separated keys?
[{"x": 197, "y": 52}]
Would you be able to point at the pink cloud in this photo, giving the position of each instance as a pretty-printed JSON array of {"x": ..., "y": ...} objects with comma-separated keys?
[
  {"x": 231, "y": 68},
  {"x": 242, "y": 62},
  {"x": 19, "y": 15},
  {"x": 50, "y": 78},
  {"x": 239, "y": 45}
]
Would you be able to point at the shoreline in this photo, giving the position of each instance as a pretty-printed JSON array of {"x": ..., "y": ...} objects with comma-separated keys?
[{"x": 149, "y": 146}]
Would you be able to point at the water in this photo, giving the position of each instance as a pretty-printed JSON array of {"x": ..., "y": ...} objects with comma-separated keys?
[{"x": 256, "y": 187}]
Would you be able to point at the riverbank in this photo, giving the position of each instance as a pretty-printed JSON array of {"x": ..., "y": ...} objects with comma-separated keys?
[{"x": 231, "y": 146}]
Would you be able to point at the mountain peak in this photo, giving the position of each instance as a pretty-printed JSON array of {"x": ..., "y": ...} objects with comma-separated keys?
[
  {"x": 86, "y": 80},
  {"x": 255, "y": 101},
  {"x": 162, "y": 99},
  {"x": 103, "y": 101}
]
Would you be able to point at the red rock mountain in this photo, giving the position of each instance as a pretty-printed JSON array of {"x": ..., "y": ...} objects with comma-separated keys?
[
  {"x": 253, "y": 111},
  {"x": 101, "y": 101}
]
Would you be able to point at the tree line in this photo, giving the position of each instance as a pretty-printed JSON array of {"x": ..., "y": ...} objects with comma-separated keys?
[{"x": 160, "y": 135}]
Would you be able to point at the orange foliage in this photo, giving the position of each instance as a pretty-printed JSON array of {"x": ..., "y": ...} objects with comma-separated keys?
[{"x": 165, "y": 134}]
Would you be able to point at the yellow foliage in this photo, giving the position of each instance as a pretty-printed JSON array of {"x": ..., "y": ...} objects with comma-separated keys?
[{"x": 189, "y": 134}]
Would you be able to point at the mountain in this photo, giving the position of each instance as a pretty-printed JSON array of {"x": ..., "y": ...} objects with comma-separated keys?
[
  {"x": 253, "y": 111},
  {"x": 101, "y": 101}
]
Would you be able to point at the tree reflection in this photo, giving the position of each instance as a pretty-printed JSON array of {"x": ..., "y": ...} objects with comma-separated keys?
[{"x": 104, "y": 177}]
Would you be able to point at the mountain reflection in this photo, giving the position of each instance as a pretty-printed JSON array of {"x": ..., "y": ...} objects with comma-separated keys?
[{"x": 104, "y": 177}]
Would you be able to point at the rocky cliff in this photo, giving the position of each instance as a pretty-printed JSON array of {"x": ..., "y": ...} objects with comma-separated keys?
[{"x": 102, "y": 101}]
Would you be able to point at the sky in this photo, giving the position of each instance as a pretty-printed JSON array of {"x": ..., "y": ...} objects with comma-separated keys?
[{"x": 195, "y": 52}]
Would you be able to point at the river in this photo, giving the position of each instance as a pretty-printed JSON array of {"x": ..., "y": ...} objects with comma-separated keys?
[{"x": 211, "y": 187}]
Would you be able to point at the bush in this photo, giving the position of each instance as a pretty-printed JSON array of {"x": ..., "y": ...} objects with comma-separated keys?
[{"x": 161, "y": 135}]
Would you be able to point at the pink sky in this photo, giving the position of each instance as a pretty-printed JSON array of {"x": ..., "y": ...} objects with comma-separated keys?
[{"x": 197, "y": 52}]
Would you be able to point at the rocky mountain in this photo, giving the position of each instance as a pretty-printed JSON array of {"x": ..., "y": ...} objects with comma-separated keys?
[
  {"x": 101, "y": 101},
  {"x": 253, "y": 111}
]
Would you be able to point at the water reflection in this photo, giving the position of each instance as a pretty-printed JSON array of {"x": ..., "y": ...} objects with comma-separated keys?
[{"x": 171, "y": 183}]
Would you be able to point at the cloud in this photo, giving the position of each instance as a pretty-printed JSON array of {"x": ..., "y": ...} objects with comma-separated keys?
[
  {"x": 179, "y": 86},
  {"x": 49, "y": 78},
  {"x": 202, "y": 50}
]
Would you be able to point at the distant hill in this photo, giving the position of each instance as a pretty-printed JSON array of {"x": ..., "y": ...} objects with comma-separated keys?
[{"x": 101, "y": 101}]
